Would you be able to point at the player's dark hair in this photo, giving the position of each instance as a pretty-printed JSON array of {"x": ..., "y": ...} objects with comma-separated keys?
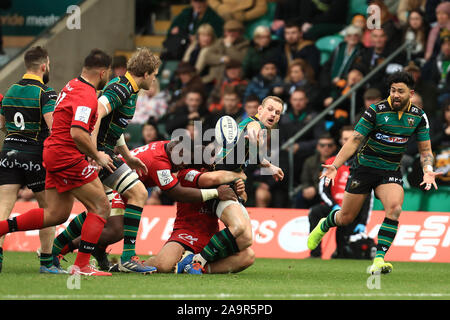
[
  {"x": 34, "y": 57},
  {"x": 401, "y": 77},
  {"x": 97, "y": 59}
]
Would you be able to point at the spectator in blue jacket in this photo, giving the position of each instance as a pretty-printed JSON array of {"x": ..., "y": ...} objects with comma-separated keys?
[{"x": 267, "y": 82}]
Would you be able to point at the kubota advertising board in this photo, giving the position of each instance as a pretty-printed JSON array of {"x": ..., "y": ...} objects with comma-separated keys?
[{"x": 279, "y": 233}]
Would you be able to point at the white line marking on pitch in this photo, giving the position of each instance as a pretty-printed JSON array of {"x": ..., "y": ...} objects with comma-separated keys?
[{"x": 233, "y": 296}]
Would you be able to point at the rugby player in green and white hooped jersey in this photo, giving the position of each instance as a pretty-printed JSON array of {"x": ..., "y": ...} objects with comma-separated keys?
[
  {"x": 117, "y": 103},
  {"x": 237, "y": 234},
  {"x": 384, "y": 131},
  {"x": 26, "y": 115}
]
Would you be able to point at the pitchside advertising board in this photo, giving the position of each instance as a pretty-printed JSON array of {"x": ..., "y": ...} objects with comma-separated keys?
[
  {"x": 30, "y": 17},
  {"x": 278, "y": 233}
]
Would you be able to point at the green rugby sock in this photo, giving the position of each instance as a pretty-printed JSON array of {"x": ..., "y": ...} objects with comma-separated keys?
[
  {"x": 131, "y": 220},
  {"x": 330, "y": 221},
  {"x": 72, "y": 232},
  {"x": 386, "y": 236},
  {"x": 46, "y": 259},
  {"x": 222, "y": 245}
]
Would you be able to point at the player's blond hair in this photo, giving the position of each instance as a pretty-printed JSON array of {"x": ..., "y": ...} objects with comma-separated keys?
[
  {"x": 142, "y": 61},
  {"x": 274, "y": 98}
]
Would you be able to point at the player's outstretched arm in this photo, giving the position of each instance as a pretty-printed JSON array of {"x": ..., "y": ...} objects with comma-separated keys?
[
  {"x": 347, "y": 150},
  {"x": 427, "y": 161},
  {"x": 186, "y": 194},
  {"x": 215, "y": 178}
]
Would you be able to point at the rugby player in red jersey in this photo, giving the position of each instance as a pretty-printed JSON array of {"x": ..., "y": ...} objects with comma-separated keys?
[
  {"x": 160, "y": 160},
  {"x": 68, "y": 173},
  {"x": 196, "y": 224}
]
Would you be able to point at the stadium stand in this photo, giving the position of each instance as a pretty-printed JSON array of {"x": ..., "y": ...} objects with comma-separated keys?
[{"x": 162, "y": 14}]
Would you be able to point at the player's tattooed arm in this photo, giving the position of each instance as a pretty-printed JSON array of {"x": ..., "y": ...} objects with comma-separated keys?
[
  {"x": 426, "y": 155},
  {"x": 358, "y": 138},
  {"x": 348, "y": 149}
]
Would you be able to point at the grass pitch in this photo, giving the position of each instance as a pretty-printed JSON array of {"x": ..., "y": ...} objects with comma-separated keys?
[{"x": 267, "y": 279}]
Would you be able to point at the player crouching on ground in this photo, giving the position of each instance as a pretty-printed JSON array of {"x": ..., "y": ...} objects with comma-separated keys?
[
  {"x": 159, "y": 159},
  {"x": 196, "y": 230}
]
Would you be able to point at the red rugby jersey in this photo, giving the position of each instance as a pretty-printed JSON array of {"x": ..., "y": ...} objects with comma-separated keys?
[
  {"x": 159, "y": 167},
  {"x": 76, "y": 106},
  {"x": 194, "y": 216}
]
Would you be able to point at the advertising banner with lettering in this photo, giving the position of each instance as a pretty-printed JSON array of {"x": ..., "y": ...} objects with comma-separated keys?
[
  {"x": 279, "y": 233},
  {"x": 30, "y": 17}
]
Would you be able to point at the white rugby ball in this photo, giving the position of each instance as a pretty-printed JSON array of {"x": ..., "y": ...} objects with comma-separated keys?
[{"x": 226, "y": 131}]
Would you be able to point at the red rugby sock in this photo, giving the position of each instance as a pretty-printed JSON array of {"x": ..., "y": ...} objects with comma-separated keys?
[
  {"x": 90, "y": 233},
  {"x": 30, "y": 220}
]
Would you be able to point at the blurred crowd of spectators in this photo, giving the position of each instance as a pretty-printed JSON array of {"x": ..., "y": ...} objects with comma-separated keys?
[{"x": 226, "y": 68}]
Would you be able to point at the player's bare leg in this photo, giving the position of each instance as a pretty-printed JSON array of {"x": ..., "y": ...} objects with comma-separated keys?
[
  {"x": 391, "y": 196},
  {"x": 351, "y": 205},
  {"x": 232, "y": 264},
  {"x": 167, "y": 257},
  {"x": 239, "y": 224},
  {"x": 235, "y": 237},
  {"x": 46, "y": 236},
  {"x": 8, "y": 198}
]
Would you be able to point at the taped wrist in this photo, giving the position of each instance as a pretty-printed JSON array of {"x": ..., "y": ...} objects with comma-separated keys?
[{"x": 208, "y": 194}]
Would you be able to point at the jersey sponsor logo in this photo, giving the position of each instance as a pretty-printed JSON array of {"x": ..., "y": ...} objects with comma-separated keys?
[
  {"x": 28, "y": 166},
  {"x": 82, "y": 114},
  {"x": 118, "y": 88},
  {"x": 414, "y": 110},
  {"x": 88, "y": 171},
  {"x": 188, "y": 238},
  {"x": 190, "y": 176},
  {"x": 164, "y": 177},
  {"x": 390, "y": 139},
  {"x": 395, "y": 180}
]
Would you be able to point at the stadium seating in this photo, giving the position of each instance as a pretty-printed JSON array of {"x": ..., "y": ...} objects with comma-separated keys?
[
  {"x": 326, "y": 46},
  {"x": 166, "y": 72},
  {"x": 265, "y": 20},
  {"x": 356, "y": 6}
]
